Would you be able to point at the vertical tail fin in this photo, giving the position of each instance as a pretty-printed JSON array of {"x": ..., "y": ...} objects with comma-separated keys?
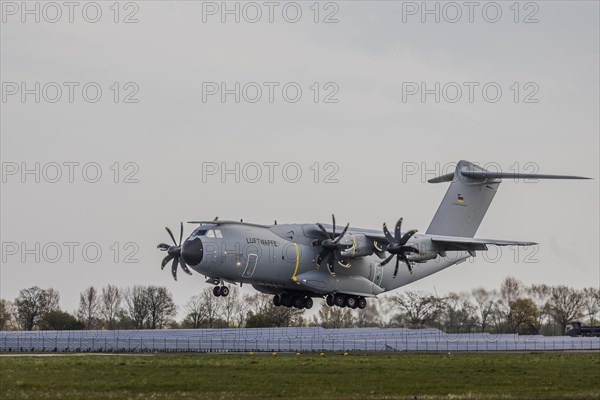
[{"x": 469, "y": 196}]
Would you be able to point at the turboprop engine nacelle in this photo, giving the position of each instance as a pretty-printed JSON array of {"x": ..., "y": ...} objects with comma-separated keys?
[
  {"x": 358, "y": 245},
  {"x": 427, "y": 250}
]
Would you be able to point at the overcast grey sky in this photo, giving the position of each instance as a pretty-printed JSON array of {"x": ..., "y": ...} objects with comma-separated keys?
[{"x": 368, "y": 121}]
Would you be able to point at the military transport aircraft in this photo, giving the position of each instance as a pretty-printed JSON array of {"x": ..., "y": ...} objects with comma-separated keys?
[{"x": 297, "y": 262}]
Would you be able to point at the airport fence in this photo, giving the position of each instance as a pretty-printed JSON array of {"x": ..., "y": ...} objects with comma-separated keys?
[{"x": 284, "y": 340}]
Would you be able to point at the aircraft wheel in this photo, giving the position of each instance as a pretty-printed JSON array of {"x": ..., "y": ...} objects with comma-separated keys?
[
  {"x": 286, "y": 300},
  {"x": 217, "y": 291},
  {"x": 224, "y": 291},
  {"x": 308, "y": 303},
  {"x": 277, "y": 300},
  {"x": 299, "y": 302},
  {"x": 362, "y": 302},
  {"x": 329, "y": 300},
  {"x": 340, "y": 300},
  {"x": 351, "y": 302}
]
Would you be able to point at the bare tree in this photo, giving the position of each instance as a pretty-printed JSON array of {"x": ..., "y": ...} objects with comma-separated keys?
[
  {"x": 230, "y": 305},
  {"x": 263, "y": 313},
  {"x": 540, "y": 295},
  {"x": 111, "y": 305},
  {"x": 31, "y": 305},
  {"x": 194, "y": 313},
  {"x": 136, "y": 304},
  {"x": 565, "y": 304},
  {"x": 417, "y": 309},
  {"x": 6, "y": 314},
  {"x": 204, "y": 310},
  {"x": 160, "y": 305},
  {"x": 370, "y": 316},
  {"x": 334, "y": 317},
  {"x": 591, "y": 304},
  {"x": 485, "y": 306},
  {"x": 89, "y": 308},
  {"x": 241, "y": 311},
  {"x": 212, "y": 308},
  {"x": 53, "y": 299},
  {"x": 511, "y": 289},
  {"x": 458, "y": 313}
]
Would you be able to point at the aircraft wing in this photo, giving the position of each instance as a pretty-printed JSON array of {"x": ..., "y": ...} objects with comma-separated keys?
[{"x": 462, "y": 243}]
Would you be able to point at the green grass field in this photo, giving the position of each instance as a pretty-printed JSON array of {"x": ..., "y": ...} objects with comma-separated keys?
[{"x": 308, "y": 376}]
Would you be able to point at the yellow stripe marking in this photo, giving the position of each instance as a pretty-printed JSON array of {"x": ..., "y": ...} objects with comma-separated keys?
[{"x": 297, "y": 262}]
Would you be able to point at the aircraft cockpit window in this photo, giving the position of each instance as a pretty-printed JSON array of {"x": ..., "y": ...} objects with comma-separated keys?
[
  {"x": 210, "y": 234},
  {"x": 218, "y": 233},
  {"x": 199, "y": 232}
]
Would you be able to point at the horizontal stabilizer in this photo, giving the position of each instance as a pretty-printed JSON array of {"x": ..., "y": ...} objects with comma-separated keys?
[
  {"x": 469, "y": 196},
  {"x": 491, "y": 175}
]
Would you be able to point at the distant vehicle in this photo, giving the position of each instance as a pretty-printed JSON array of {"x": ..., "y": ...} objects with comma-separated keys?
[
  {"x": 576, "y": 329},
  {"x": 286, "y": 260}
]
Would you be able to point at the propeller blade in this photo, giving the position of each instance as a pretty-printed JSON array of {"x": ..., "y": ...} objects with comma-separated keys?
[
  {"x": 330, "y": 261},
  {"x": 337, "y": 240},
  {"x": 323, "y": 229},
  {"x": 407, "y": 236},
  {"x": 340, "y": 260},
  {"x": 322, "y": 256},
  {"x": 388, "y": 235},
  {"x": 180, "y": 234},
  {"x": 333, "y": 219},
  {"x": 174, "y": 267},
  {"x": 331, "y": 258},
  {"x": 184, "y": 266},
  {"x": 396, "y": 269},
  {"x": 166, "y": 260},
  {"x": 387, "y": 260},
  {"x": 398, "y": 228},
  {"x": 171, "y": 234},
  {"x": 163, "y": 247},
  {"x": 331, "y": 270},
  {"x": 408, "y": 265}
]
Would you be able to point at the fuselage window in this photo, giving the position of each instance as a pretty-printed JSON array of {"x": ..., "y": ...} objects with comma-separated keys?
[{"x": 218, "y": 234}]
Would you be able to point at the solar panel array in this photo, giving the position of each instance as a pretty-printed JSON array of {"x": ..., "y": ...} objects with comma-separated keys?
[{"x": 310, "y": 339}]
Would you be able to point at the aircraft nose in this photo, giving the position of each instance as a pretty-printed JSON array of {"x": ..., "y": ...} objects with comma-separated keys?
[{"x": 192, "y": 251}]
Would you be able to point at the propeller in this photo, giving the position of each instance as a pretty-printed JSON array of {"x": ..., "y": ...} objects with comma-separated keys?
[
  {"x": 331, "y": 248},
  {"x": 173, "y": 253},
  {"x": 397, "y": 246}
]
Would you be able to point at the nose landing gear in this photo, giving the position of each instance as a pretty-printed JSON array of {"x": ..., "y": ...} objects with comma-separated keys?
[{"x": 220, "y": 291}]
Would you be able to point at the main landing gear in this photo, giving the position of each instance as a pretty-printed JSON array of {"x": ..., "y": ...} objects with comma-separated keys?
[
  {"x": 288, "y": 300},
  {"x": 345, "y": 300},
  {"x": 220, "y": 291}
]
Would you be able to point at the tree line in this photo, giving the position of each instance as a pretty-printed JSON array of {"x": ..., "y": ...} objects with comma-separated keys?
[{"x": 513, "y": 308}]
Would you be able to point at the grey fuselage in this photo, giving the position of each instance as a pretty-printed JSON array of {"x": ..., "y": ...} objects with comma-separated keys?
[{"x": 282, "y": 258}]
